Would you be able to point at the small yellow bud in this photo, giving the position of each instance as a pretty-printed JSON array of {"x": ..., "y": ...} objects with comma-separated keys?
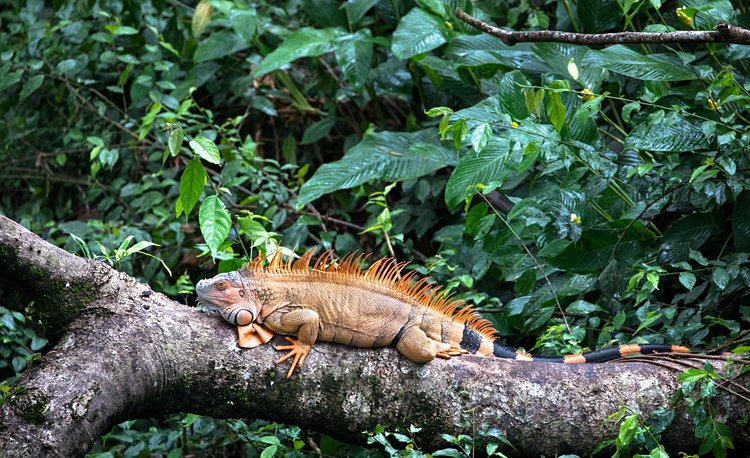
[
  {"x": 575, "y": 219},
  {"x": 586, "y": 94},
  {"x": 514, "y": 124},
  {"x": 713, "y": 105},
  {"x": 683, "y": 17}
]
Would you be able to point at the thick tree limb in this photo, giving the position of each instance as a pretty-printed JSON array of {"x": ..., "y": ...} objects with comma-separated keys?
[
  {"x": 126, "y": 352},
  {"x": 724, "y": 33}
]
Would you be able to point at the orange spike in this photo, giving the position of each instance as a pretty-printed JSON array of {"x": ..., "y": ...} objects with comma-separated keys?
[
  {"x": 361, "y": 260},
  {"x": 289, "y": 260},
  {"x": 405, "y": 282},
  {"x": 322, "y": 261},
  {"x": 276, "y": 260},
  {"x": 302, "y": 265},
  {"x": 373, "y": 271}
]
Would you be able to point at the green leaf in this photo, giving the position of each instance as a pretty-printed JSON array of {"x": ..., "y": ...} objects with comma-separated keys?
[
  {"x": 692, "y": 375},
  {"x": 215, "y": 222},
  {"x": 688, "y": 233},
  {"x": 206, "y": 149},
  {"x": 269, "y": 451},
  {"x": 599, "y": 244},
  {"x": 555, "y": 110},
  {"x": 358, "y": 8},
  {"x": 306, "y": 42},
  {"x": 511, "y": 95},
  {"x": 218, "y": 45},
  {"x": 244, "y": 23},
  {"x": 192, "y": 182},
  {"x": 583, "y": 307},
  {"x": 318, "y": 130},
  {"x": 458, "y": 130},
  {"x": 598, "y": 15},
  {"x": 720, "y": 276},
  {"x": 37, "y": 343},
  {"x": 741, "y": 222},
  {"x": 480, "y": 136},
  {"x": 679, "y": 136},
  {"x": 31, "y": 85},
  {"x": 391, "y": 156},
  {"x": 418, "y": 32},
  {"x": 687, "y": 279},
  {"x": 18, "y": 363},
  {"x": 354, "y": 54},
  {"x": 485, "y": 167},
  {"x": 626, "y": 61},
  {"x": 175, "y": 141}
]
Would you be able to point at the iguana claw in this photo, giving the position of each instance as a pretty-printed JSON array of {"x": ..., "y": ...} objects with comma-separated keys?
[{"x": 296, "y": 349}]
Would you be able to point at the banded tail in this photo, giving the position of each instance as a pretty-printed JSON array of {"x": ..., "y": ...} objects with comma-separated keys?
[{"x": 475, "y": 343}]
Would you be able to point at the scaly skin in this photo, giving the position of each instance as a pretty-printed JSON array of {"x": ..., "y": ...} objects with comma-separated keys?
[{"x": 370, "y": 308}]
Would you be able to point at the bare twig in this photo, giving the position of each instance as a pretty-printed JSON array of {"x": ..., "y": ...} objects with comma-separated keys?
[{"x": 724, "y": 33}]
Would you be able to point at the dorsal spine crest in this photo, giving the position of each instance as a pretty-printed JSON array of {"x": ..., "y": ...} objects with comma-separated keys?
[{"x": 385, "y": 272}]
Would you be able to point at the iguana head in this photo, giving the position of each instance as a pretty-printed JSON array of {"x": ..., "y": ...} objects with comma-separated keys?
[{"x": 229, "y": 295}]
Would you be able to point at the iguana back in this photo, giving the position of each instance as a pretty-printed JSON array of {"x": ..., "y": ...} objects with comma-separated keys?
[{"x": 374, "y": 307}]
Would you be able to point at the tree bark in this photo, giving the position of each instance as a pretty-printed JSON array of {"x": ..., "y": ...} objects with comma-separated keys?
[{"x": 123, "y": 351}]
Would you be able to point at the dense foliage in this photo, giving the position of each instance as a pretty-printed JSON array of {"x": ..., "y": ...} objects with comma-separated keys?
[{"x": 578, "y": 197}]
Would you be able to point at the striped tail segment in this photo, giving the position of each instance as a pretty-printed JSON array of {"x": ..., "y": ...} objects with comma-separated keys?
[{"x": 599, "y": 356}]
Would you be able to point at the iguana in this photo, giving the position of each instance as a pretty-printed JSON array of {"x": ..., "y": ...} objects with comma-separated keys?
[{"x": 374, "y": 307}]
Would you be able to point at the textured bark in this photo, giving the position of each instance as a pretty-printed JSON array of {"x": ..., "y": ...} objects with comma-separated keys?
[{"x": 125, "y": 352}]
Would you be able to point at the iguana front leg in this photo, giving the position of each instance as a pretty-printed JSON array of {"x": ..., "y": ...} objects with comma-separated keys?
[{"x": 303, "y": 323}]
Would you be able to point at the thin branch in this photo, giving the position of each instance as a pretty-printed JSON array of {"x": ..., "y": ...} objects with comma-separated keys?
[{"x": 724, "y": 33}]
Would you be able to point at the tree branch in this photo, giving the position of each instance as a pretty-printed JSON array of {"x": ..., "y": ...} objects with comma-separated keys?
[
  {"x": 127, "y": 352},
  {"x": 724, "y": 33}
]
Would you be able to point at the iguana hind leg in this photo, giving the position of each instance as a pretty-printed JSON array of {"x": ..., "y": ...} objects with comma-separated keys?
[
  {"x": 304, "y": 324},
  {"x": 416, "y": 346}
]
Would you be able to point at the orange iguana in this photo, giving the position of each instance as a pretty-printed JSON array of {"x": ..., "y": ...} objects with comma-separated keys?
[{"x": 373, "y": 307}]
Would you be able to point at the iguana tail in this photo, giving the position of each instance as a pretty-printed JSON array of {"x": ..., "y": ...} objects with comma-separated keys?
[{"x": 599, "y": 356}]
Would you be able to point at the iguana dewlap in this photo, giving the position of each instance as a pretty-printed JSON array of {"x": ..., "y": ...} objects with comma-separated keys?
[{"x": 373, "y": 307}]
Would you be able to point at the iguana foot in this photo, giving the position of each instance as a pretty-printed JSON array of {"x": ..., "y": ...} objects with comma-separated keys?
[
  {"x": 296, "y": 349},
  {"x": 451, "y": 351}
]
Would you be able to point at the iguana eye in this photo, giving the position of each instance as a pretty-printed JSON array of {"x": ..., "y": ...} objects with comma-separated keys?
[
  {"x": 221, "y": 284},
  {"x": 242, "y": 293}
]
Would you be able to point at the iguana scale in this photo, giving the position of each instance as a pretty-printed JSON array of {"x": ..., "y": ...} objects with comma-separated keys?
[{"x": 374, "y": 307}]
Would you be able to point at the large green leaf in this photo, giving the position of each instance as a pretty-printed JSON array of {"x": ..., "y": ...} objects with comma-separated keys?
[
  {"x": 305, "y": 42},
  {"x": 710, "y": 12},
  {"x": 621, "y": 59},
  {"x": 484, "y": 167},
  {"x": 390, "y": 156},
  {"x": 511, "y": 94},
  {"x": 195, "y": 78},
  {"x": 353, "y": 53},
  {"x": 418, "y": 32},
  {"x": 741, "y": 222},
  {"x": 688, "y": 233},
  {"x": 215, "y": 222},
  {"x": 599, "y": 244},
  {"x": 192, "y": 182},
  {"x": 680, "y": 135},
  {"x": 598, "y": 15},
  {"x": 206, "y": 149},
  {"x": 244, "y": 22},
  {"x": 218, "y": 45},
  {"x": 484, "y": 50}
]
